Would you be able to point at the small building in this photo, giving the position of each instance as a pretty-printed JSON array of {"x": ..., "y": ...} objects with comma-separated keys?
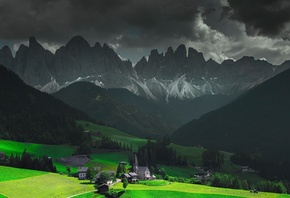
[
  {"x": 103, "y": 188},
  {"x": 143, "y": 173},
  {"x": 82, "y": 172},
  {"x": 133, "y": 177},
  {"x": 246, "y": 169},
  {"x": 203, "y": 176},
  {"x": 2, "y": 155},
  {"x": 109, "y": 172}
]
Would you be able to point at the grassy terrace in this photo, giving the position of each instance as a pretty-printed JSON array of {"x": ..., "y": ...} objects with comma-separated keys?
[
  {"x": 115, "y": 134},
  {"x": 22, "y": 183},
  {"x": 8, "y": 173},
  {"x": 187, "y": 190},
  {"x": 53, "y": 151},
  {"x": 161, "y": 188}
]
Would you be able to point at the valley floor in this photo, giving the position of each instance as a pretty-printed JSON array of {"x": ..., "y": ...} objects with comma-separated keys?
[{"x": 22, "y": 183}]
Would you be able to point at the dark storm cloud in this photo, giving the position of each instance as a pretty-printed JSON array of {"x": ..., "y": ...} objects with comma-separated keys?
[
  {"x": 261, "y": 17},
  {"x": 141, "y": 23}
]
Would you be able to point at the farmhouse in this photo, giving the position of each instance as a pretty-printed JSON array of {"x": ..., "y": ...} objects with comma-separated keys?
[
  {"x": 82, "y": 172},
  {"x": 103, "y": 188},
  {"x": 131, "y": 177},
  {"x": 143, "y": 173}
]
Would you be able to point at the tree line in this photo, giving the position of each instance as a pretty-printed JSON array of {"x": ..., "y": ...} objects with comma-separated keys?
[
  {"x": 29, "y": 161},
  {"x": 153, "y": 153},
  {"x": 212, "y": 158},
  {"x": 108, "y": 143},
  {"x": 230, "y": 181},
  {"x": 272, "y": 170}
]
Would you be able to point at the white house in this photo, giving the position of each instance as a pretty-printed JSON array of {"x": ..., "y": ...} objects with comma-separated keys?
[
  {"x": 143, "y": 173},
  {"x": 82, "y": 172}
]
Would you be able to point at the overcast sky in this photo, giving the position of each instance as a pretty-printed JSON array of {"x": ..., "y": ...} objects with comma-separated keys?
[{"x": 221, "y": 29}]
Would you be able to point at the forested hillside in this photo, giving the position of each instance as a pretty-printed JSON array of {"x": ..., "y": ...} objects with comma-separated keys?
[
  {"x": 256, "y": 122},
  {"x": 29, "y": 115}
]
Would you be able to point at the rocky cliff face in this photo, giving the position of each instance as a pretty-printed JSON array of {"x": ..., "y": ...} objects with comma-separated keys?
[
  {"x": 184, "y": 75},
  {"x": 178, "y": 74}
]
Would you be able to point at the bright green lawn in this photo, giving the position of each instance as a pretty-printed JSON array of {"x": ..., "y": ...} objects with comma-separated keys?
[
  {"x": 2, "y": 196},
  {"x": 176, "y": 171},
  {"x": 53, "y": 151},
  {"x": 8, "y": 173},
  {"x": 188, "y": 190},
  {"x": 46, "y": 185},
  {"x": 90, "y": 195},
  {"x": 154, "y": 182},
  {"x": 109, "y": 161},
  {"x": 169, "y": 194},
  {"x": 115, "y": 134}
]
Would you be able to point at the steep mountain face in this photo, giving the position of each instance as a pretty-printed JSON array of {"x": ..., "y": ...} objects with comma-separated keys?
[
  {"x": 181, "y": 74},
  {"x": 33, "y": 64},
  {"x": 187, "y": 75},
  {"x": 74, "y": 62},
  {"x": 256, "y": 122},
  {"x": 117, "y": 107},
  {"x": 29, "y": 115}
]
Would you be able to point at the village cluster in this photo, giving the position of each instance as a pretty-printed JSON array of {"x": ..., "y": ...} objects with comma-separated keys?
[{"x": 138, "y": 173}]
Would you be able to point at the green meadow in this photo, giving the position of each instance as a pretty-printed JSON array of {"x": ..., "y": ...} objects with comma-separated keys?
[
  {"x": 176, "y": 189},
  {"x": 8, "y": 173},
  {"x": 53, "y": 151},
  {"x": 24, "y": 183},
  {"x": 109, "y": 160},
  {"x": 114, "y": 134}
]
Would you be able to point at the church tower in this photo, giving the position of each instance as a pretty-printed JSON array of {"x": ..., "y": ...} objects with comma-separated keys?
[{"x": 135, "y": 164}]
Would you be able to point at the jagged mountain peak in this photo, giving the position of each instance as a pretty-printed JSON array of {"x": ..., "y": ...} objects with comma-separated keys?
[
  {"x": 181, "y": 50},
  {"x": 154, "y": 52},
  {"x": 97, "y": 45},
  {"x": 194, "y": 54},
  {"x": 100, "y": 64},
  {"x": 247, "y": 58},
  {"x": 169, "y": 51},
  {"x": 32, "y": 40},
  {"x": 34, "y": 45},
  {"x": 6, "y": 50},
  {"x": 78, "y": 42}
]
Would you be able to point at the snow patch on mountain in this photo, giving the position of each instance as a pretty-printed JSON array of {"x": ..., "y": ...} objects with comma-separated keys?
[{"x": 51, "y": 87}]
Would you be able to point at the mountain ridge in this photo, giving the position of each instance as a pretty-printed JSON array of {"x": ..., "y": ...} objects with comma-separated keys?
[{"x": 158, "y": 78}]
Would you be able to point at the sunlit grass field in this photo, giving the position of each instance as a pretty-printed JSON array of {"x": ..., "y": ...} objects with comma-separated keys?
[
  {"x": 188, "y": 190},
  {"x": 109, "y": 161},
  {"x": 53, "y": 151},
  {"x": 114, "y": 134},
  {"x": 24, "y": 183},
  {"x": 8, "y": 173}
]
